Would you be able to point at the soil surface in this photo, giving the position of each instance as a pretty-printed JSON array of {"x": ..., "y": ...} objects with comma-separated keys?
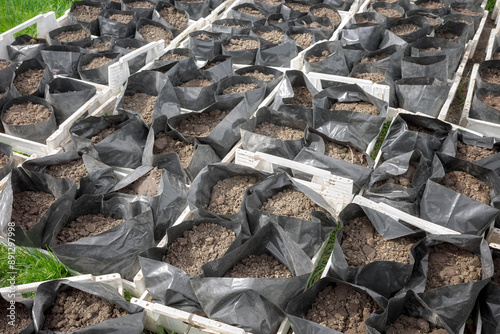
[
  {"x": 141, "y": 103},
  {"x": 153, "y": 33},
  {"x": 204, "y": 37},
  {"x": 271, "y": 2},
  {"x": 362, "y": 244},
  {"x": 303, "y": 40},
  {"x": 227, "y": 194},
  {"x": 4, "y": 64},
  {"x": 447, "y": 35},
  {"x": 27, "y": 82},
  {"x": 411, "y": 325},
  {"x": 69, "y": 170},
  {"x": 404, "y": 29},
  {"x": 361, "y": 20},
  {"x": 24, "y": 114},
  {"x": 389, "y": 12},
  {"x": 250, "y": 11},
  {"x": 122, "y": 18},
  {"x": 209, "y": 65},
  {"x": 173, "y": 56},
  {"x": 86, "y": 13},
  {"x": 403, "y": 180},
  {"x": 450, "y": 265},
  {"x": 372, "y": 59},
  {"x": 491, "y": 75},
  {"x": 4, "y": 160},
  {"x": 28, "y": 208},
  {"x": 86, "y": 226},
  {"x": 201, "y": 124},
  {"x": 99, "y": 47},
  {"x": 259, "y": 75},
  {"x": 97, "y": 62},
  {"x": 375, "y": 77},
  {"x": 413, "y": 127},
  {"x": 328, "y": 13},
  {"x": 492, "y": 101},
  {"x": 474, "y": 153},
  {"x": 22, "y": 321},
  {"x": 291, "y": 203},
  {"x": 146, "y": 185},
  {"x": 467, "y": 11},
  {"x": 235, "y": 44},
  {"x": 433, "y": 22},
  {"x": 140, "y": 4},
  {"x": 197, "y": 83},
  {"x": 467, "y": 185},
  {"x": 273, "y": 36},
  {"x": 301, "y": 97},
  {"x": 74, "y": 309},
  {"x": 298, "y": 7},
  {"x": 239, "y": 88},
  {"x": 431, "y": 5},
  {"x": 316, "y": 59},
  {"x": 342, "y": 308},
  {"x": 202, "y": 244},
  {"x": 165, "y": 144},
  {"x": 317, "y": 25},
  {"x": 71, "y": 36},
  {"x": 103, "y": 134},
  {"x": 231, "y": 25},
  {"x": 496, "y": 275},
  {"x": 364, "y": 107},
  {"x": 279, "y": 131},
  {"x": 259, "y": 266},
  {"x": 174, "y": 17},
  {"x": 345, "y": 153}
]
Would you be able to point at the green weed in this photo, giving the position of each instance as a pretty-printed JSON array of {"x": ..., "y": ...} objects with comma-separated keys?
[
  {"x": 316, "y": 275},
  {"x": 489, "y": 5},
  {"x": 380, "y": 140}
]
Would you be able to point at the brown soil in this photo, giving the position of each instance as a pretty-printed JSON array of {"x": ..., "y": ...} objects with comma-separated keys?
[
  {"x": 317, "y": 25},
  {"x": 165, "y": 144},
  {"x": 279, "y": 131},
  {"x": 202, "y": 244},
  {"x": 24, "y": 114},
  {"x": 204, "y": 37},
  {"x": 4, "y": 160},
  {"x": 291, "y": 203},
  {"x": 430, "y": 49},
  {"x": 273, "y": 36},
  {"x": 491, "y": 75},
  {"x": 431, "y": 5},
  {"x": 467, "y": 11},
  {"x": 447, "y": 35},
  {"x": 467, "y": 185},
  {"x": 301, "y": 97},
  {"x": 71, "y": 36},
  {"x": 372, "y": 59},
  {"x": 86, "y": 226},
  {"x": 474, "y": 153},
  {"x": 410, "y": 325},
  {"x": 74, "y": 309},
  {"x": 69, "y": 170},
  {"x": 175, "y": 18},
  {"x": 328, "y": 13},
  {"x": 316, "y": 59},
  {"x": 141, "y": 103},
  {"x": 86, "y": 13},
  {"x": 122, "y": 18},
  {"x": 227, "y": 194},
  {"x": 153, "y": 33},
  {"x": 140, "y": 4},
  {"x": 298, "y": 7},
  {"x": 97, "y": 62},
  {"x": 173, "y": 56},
  {"x": 239, "y": 88},
  {"x": 375, "y": 77},
  {"x": 389, "y": 12},
  {"x": 4, "y": 64},
  {"x": 496, "y": 56},
  {"x": 361, "y": 20},
  {"x": 259, "y": 75},
  {"x": 97, "y": 138},
  {"x": 345, "y": 153},
  {"x": 259, "y": 266},
  {"x": 496, "y": 275},
  {"x": 450, "y": 265},
  {"x": 27, "y": 82},
  {"x": 416, "y": 128},
  {"x": 364, "y": 107},
  {"x": 104, "y": 46},
  {"x": 197, "y": 83},
  {"x": 250, "y": 11},
  {"x": 22, "y": 318},
  {"x": 342, "y": 308},
  {"x": 28, "y": 208},
  {"x": 362, "y": 244},
  {"x": 492, "y": 101},
  {"x": 201, "y": 124},
  {"x": 241, "y": 44},
  {"x": 146, "y": 185},
  {"x": 271, "y": 2},
  {"x": 403, "y": 180},
  {"x": 433, "y": 22},
  {"x": 275, "y": 21},
  {"x": 232, "y": 25},
  {"x": 209, "y": 65},
  {"x": 303, "y": 40},
  {"x": 404, "y": 29}
]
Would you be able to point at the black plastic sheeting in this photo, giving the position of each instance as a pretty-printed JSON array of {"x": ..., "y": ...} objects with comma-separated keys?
[
  {"x": 128, "y": 45},
  {"x": 369, "y": 35},
  {"x": 241, "y": 56},
  {"x": 482, "y": 111},
  {"x": 6, "y": 149},
  {"x": 20, "y": 51},
  {"x": 335, "y": 62},
  {"x": 429, "y": 67},
  {"x": 114, "y": 28},
  {"x": 206, "y": 49},
  {"x": 97, "y": 75},
  {"x": 62, "y": 59},
  {"x": 92, "y": 26},
  {"x": 194, "y": 98},
  {"x": 83, "y": 42},
  {"x": 271, "y": 84},
  {"x": 422, "y": 94},
  {"x": 252, "y": 97},
  {"x": 221, "y": 66},
  {"x": 170, "y": 25}
]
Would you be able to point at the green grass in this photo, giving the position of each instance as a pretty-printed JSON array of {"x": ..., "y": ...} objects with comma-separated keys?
[
  {"x": 316, "y": 275},
  {"x": 489, "y": 5},
  {"x": 380, "y": 140}
]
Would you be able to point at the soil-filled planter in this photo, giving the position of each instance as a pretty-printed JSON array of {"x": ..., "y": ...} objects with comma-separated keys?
[
  {"x": 368, "y": 71},
  {"x": 321, "y": 25},
  {"x": 276, "y": 55},
  {"x": 278, "y": 21},
  {"x": 196, "y": 9},
  {"x": 126, "y": 46},
  {"x": 232, "y": 27},
  {"x": 303, "y": 37},
  {"x": 91, "y": 175},
  {"x": 30, "y": 78},
  {"x": 205, "y": 44},
  {"x": 221, "y": 66},
  {"x": 20, "y": 322},
  {"x": 33, "y": 201},
  {"x": 326, "y": 57},
  {"x": 388, "y": 58},
  {"x": 148, "y": 95},
  {"x": 6, "y": 160},
  {"x": 195, "y": 90},
  {"x": 116, "y": 140},
  {"x": 249, "y": 12},
  {"x": 435, "y": 7},
  {"x": 296, "y": 90},
  {"x": 218, "y": 125},
  {"x": 450, "y": 271},
  {"x": 242, "y": 48},
  {"x": 429, "y": 67},
  {"x": 391, "y": 11},
  {"x": 234, "y": 292},
  {"x": 469, "y": 9},
  {"x": 435, "y": 21},
  {"x": 6, "y": 94},
  {"x": 268, "y": 35},
  {"x": 99, "y": 45},
  {"x": 456, "y": 32},
  {"x": 73, "y": 34},
  {"x": 58, "y": 303},
  {"x": 93, "y": 67},
  {"x": 485, "y": 106},
  {"x": 460, "y": 195},
  {"x": 117, "y": 23},
  {"x": 251, "y": 89},
  {"x": 293, "y": 9},
  {"x": 66, "y": 96},
  {"x": 29, "y": 117},
  {"x": 62, "y": 59},
  {"x": 464, "y": 19},
  {"x": 173, "y": 18},
  {"x": 182, "y": 56},
  {"x": 272, "y": 77},
  {"x": 141, "y": 8},
  {"x": 327, "y": 11},
  {"x": 488, "y": 75},
  {"x": 86, "y": 13},
  {"x": 366, "y": 29},
  {"x": 489, "y": 300},
  {"x": 315, "y": 310},
  {"x": 167, "y": 271},
  {"x": 303, "y": 214},
  {"x": 25, "y": 47},
  {"x": 353, "y": 54},
  {"x": 411, "y": 28},
  {"x": 422, "y": 94},
  {"x": 7, "y": 69},
  {"x": 152, "y": 31}
]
